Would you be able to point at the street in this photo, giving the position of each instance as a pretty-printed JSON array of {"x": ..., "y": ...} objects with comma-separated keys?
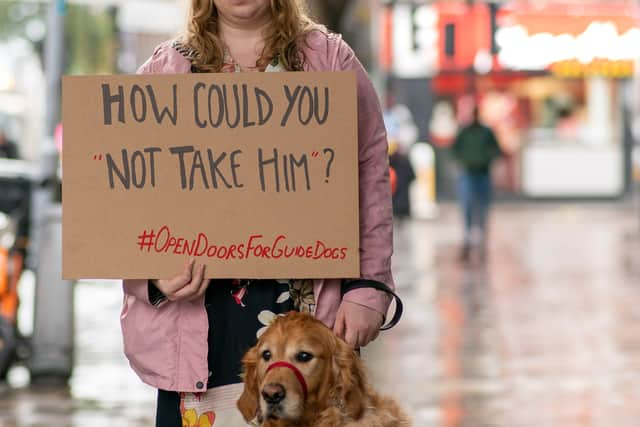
[{"x": 543, "y": 335}]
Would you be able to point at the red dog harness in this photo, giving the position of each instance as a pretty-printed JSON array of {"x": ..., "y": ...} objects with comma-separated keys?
[{"x": 295, "y": 371}]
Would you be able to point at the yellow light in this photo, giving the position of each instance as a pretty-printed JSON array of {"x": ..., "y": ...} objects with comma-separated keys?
[
  {"x": 576, "y": 69},
  {"x": 617, "y": 69},
  {"x": 601, "y": 67}
]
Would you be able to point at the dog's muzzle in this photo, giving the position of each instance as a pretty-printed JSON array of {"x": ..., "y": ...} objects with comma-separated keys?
[{"x": 295, "y": 371}]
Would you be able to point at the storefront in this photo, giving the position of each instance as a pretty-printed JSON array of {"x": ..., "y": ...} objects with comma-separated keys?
[
  {"x": 574, "y": 142},
  {"x": 552, "y": 81}
]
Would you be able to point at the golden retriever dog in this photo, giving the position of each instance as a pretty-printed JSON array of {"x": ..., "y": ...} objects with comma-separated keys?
[{"x": 300, "y": 374}]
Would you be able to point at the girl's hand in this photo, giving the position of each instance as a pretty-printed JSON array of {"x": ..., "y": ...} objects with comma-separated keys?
[
  {"x": 357, "y": 324},
  {"x": 185, "y": 286}
]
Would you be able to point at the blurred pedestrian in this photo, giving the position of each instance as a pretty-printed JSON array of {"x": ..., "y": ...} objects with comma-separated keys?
[
  {"x": 8, "y": 148},
  {"x": 475, "y": 148},
  {"x": 405, "y": 175},
  {"x": 186, "y": 335}
]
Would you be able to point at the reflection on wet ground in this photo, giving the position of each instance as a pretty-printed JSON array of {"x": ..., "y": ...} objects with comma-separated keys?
[
  {"x": 103, "y": 392},
  {"x": 542, "y": 335}
]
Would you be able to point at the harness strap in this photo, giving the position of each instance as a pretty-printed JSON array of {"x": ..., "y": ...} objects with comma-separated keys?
[{"x": 296, "y": 372}]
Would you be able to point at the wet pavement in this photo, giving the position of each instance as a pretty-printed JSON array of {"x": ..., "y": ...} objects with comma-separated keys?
[{"x": 541, "y": 335}]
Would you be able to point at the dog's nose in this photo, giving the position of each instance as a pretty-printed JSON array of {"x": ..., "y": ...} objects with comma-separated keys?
[{"x": 273, "y": 393}]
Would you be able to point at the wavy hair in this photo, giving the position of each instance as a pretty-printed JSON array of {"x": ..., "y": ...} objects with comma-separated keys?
[{"x": 284, "y": 38}]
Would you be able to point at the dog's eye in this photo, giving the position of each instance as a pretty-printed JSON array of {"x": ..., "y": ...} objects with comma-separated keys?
[
  {"x": 266, "y": 355},
  {"x": 304, "y": 357}
]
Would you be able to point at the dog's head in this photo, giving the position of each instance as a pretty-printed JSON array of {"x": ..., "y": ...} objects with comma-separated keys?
[{"x": 314, "y": 358}]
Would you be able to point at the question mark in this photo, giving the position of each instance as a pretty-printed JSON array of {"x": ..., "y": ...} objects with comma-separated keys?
[{"x": 333, "y": 155}]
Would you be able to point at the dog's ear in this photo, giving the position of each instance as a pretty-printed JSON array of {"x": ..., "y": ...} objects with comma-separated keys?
[
  {"x": 349, "y": 380},
  {"x": 248, "y": 403}
]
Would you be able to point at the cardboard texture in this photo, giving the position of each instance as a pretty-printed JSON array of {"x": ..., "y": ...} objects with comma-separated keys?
[{"x": 253, "y": 174}]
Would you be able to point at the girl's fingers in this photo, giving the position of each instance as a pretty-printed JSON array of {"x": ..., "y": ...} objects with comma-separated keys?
[
  {"x": 171, "y": 286},
  {"x": 191, "y": 288}
]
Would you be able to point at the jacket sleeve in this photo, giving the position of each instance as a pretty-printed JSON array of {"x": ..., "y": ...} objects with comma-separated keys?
[
  {"x": 143, "y": 290},
  {"x": 376, "y": 221},
  {"x": 496, "y": 151},
  {"x": 156, "y": 61},
  {"x": 137, "y": 288},
  {"x": 456, "y": 146}
]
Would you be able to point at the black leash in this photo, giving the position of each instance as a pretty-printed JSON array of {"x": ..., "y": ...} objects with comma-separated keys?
[{"x": 364, "y": 283}]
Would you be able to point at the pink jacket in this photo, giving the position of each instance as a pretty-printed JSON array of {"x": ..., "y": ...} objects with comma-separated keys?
[{"x": 167, "y": 345}]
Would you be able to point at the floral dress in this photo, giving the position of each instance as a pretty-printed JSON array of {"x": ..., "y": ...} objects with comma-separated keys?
[{"x": 239, "y": 311}]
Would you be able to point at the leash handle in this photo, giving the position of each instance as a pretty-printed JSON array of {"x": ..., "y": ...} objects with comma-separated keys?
[{"x": 365, "y": 283}]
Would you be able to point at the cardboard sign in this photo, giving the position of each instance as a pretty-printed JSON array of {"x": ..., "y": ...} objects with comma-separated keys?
[{"x": 253, "y": 174}]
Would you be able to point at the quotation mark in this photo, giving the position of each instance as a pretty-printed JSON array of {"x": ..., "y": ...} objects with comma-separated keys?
[
  {"x": 146, "y": 240},
  {"x": 97, "y": 157},
  {"x": 315, "y": 154}
]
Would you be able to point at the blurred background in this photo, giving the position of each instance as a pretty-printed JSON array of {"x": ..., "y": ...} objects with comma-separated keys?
[{"x": 526, "y": 317}]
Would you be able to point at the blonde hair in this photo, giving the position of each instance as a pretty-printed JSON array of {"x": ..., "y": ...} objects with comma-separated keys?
[{"x": 290, "y": 25}]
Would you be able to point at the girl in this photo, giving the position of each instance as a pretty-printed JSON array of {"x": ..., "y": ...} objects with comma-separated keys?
[{"x": 186, "y": 335}]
